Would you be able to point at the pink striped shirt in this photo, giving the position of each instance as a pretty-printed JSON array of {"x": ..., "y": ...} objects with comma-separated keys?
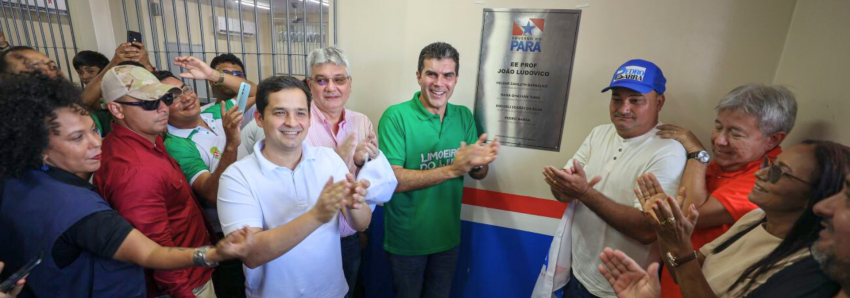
[{"x": 321, "y": 134}]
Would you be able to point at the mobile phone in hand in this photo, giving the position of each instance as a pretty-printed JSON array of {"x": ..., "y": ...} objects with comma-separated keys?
[
  {"x": 10, "y": 282},
  {"x": 134, "y": 36},
  {"x": 242, "y": 97}
]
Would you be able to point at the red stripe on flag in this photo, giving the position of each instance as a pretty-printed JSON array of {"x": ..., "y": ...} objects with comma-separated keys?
[{"x": 513, "y": 203}]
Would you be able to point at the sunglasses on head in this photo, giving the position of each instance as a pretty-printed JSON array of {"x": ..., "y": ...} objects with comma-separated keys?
[
  {"x": 234, "y": 73},
  {"x": 774, "y": 172},
  {"x": 323, "y": 81},
  {"x": 168, "y": 98}
]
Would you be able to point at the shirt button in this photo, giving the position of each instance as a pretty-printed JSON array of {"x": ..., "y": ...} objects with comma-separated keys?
[
  {"x": 621, "y": 149},
  {"x": 615, "y": 158}
]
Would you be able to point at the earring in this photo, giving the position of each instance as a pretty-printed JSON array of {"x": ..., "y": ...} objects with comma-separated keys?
[{"x": 44, "y": 167}]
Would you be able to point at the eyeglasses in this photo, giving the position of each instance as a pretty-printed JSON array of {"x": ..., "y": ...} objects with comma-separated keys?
[
  {"x": 323, "y": 81},
  {"x": 774, "y": 172},
  {"x": 235, "y": 73},
  {"x": 168, "y": 98}
]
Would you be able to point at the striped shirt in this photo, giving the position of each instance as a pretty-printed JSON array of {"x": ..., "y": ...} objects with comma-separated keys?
[{"x": 321, "y": 134}]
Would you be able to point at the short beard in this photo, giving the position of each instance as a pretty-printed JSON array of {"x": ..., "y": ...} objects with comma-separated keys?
[{"x": 837, "y": 270}]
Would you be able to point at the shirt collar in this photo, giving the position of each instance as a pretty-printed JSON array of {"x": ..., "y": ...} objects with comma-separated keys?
[
  {"x": 423, "y": 113},
  {"x": 639, "y": 139},
  {"x": 68, "y": 178},
  {"x": 267, "y": 167},
  {"x": 186, "y": 132},
  {"x": 749, "y": 168},
  {"x": 315, "y": 112}
]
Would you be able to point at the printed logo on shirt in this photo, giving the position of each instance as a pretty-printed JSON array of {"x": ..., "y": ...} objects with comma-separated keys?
[
  {"x": 630, "y": 73},
  {"x": 215, "y": 152},
  {"x": 437, "y": 159}
]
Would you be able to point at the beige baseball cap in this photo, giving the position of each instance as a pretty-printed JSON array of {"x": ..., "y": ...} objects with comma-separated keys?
[{"x": 135, "y": 82}]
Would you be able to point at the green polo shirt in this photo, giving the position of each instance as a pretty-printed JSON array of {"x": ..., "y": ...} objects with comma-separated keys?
[{"x": 424, "y": 221}]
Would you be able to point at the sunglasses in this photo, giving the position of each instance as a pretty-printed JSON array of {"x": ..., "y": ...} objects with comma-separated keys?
[
  {"x": 323, "y": 81},
  {"x": 168, "y": 98},
  {"x": 774, "y": 172},
  {"x": 234, "y": 73}
]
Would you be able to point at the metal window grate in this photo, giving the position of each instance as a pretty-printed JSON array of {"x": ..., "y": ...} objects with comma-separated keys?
[
  {"x": 44, "y": 25},
  {"x": 258, "y": 32}
]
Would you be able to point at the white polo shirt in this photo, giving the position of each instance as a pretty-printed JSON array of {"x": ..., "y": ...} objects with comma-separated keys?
[
  {"x": 619, "y": 162},
  {"x": 257, "y": 193}
]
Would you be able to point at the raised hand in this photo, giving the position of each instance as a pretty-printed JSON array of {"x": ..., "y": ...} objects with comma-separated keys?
[
  {"x": 684, "y": 136},
  {"x": 357, "y": 192},
  {"x": 572, "y": 182},
  {"x": 232, "y": 122},
  {"x": 125, "y": 52},
  {"x": 237, "y": 244},
  {"x": 626, "y": 276},
  {"x": 142, "y": 55},
  {"x": 475, "y": 155},
  {"x": 331, "y": 200},
  {"x": 368, "y": 148},
  {"x": 346, "y": 149},
  {"x": 674, "y": 228},
  {"x": 196, "y": 69}
]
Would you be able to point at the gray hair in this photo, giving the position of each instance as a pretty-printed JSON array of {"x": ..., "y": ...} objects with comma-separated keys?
[
  {"x": 773, "y": 106},
  {"x": 330, "y": 54}
]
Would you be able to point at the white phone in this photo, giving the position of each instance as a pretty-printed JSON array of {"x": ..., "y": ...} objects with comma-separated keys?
[{"x": 242, "y": 97}]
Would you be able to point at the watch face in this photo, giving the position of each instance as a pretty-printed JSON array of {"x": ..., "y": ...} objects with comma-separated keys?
[{"x": 703, "y": 156}]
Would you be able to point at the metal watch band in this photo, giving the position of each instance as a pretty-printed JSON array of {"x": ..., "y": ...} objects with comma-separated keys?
[
  {"x": 199, "y": 257},
  {"x": 220, "y": 78},
  {"x": 676, "y": 262}
]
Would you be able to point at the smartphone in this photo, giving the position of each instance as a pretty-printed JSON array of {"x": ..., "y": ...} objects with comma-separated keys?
[
  {"x": 10, "y": 282},
  {"x": 134, "y": 36},
  {"x": 242, "y": 96}
]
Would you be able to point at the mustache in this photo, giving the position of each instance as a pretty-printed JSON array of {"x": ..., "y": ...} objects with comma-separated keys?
[{"x": 618, "y": 114}]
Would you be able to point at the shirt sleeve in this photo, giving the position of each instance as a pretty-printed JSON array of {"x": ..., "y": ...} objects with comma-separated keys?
[
  {"x": 142, "y": 203},
  {"x": 734, "y": 196},
  {"x": 185, "y": 152},
  {"x": 391, "y": 133},
  {"x": 583, "y": 152},
  {"x": 236, "y": 204},
  {"x": 100, "y": 233},
  {"x": 668, "y": 168}
]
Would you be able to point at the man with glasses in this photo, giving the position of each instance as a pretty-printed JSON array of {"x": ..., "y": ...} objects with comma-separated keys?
[
  {"x": 204, "y": 143},
  {"x": 228, "y": 63},
  {"x": 752, "y": 120},
  {"x": 145, "y": 185}
]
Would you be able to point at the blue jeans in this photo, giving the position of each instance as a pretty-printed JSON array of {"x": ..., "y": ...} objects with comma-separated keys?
[
  {"x": 428, "y": 276},
  {"x": 574, "y": 288},
  {"x": 351, "y": 260}
]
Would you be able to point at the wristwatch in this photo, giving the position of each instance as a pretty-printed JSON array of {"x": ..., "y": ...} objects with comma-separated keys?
[
  {"x": 476, "y": 169},
  {"x": 199, "y": 257},
  {"x": 701, "y": 156},
  {"x": 220, "y": 78},
  {"x": 676, "y": 262}
]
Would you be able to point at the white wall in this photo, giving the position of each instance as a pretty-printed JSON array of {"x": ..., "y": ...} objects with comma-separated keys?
[
  {"x": 814, "y": 65},
  {"x": 705, "y": 49}
]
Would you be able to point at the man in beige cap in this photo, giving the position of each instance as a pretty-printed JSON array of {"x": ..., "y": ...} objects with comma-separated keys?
[{"x": 144, "y": 184}]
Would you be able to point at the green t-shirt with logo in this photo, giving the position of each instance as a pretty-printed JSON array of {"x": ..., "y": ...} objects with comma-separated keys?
[{"x": 424, "y": 221}]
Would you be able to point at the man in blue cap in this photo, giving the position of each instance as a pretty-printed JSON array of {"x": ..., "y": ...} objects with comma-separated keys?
[{"x": 598, "y": 183}]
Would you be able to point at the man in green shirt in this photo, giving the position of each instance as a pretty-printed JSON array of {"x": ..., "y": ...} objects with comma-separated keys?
[
  {"x": 204, "y": 142},
  {"x": 425, "y": 140}
]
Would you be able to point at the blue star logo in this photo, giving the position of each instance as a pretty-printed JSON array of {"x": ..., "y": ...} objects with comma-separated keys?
[{"x": 527, "y": 29}]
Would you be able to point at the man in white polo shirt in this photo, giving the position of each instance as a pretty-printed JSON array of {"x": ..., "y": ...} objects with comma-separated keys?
[
  {"x": 606, "y": 213},
  {"x": 283, "y": 193}
]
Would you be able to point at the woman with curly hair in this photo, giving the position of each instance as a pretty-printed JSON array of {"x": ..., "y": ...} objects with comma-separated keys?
[{"x": 46, "y": 209}]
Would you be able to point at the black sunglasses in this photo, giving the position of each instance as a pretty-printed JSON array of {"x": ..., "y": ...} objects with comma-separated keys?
[
  {"x": 168, "y": 98},
  {"x": 774, "y": 172}
]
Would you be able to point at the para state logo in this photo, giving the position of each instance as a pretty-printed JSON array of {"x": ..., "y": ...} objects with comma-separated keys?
[{"x": 527, "y": 34}]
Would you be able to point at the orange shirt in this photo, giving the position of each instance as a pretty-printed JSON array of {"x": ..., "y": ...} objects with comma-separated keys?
[{"x": 730, "y": 189}]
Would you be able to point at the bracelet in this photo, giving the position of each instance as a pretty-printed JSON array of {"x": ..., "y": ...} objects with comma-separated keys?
[
  {"x": 199, "y": 257},
  {"x": 676, "y": 262}
]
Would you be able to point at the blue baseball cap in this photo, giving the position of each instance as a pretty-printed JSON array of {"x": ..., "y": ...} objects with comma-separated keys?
[{"x": 639, "y": 75}]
